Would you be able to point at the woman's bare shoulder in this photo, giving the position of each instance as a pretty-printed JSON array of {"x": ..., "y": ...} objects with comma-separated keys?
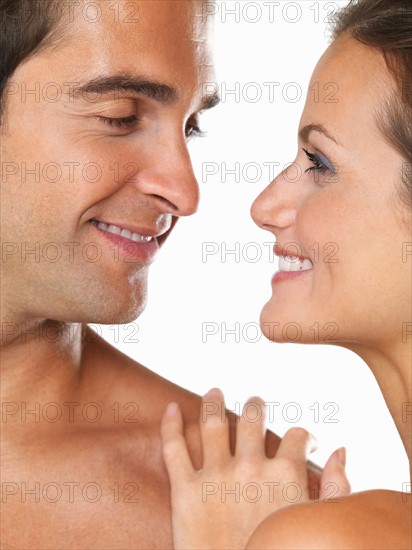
[{"x": 371, "y": 519}]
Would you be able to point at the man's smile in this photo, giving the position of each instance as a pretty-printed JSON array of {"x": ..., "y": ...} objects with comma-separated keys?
[{"x": 135, "y": 233}]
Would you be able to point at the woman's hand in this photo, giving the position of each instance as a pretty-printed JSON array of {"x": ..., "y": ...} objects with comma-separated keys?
[{"x": 219, "y": 506}]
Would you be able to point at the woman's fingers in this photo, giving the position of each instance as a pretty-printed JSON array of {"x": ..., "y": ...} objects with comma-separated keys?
[
  {"x": 214, "y": 429},
  {"x": 296, "y": 445},
  {"x": 334, "y": 483},
  {"x": 175, "y": 453},
  {"x": 293, "y": 451},
  {"x": 250, "y": 440}
]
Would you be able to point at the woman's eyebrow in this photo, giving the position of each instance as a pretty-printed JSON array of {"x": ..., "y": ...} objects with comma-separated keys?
[{"x": 306, "y": 130}]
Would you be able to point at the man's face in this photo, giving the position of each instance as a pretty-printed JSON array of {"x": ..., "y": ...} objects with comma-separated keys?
[{"x": 102, "y": 139}]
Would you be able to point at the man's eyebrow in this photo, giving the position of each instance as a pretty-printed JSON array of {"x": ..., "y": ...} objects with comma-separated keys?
[
  {"x": 163, "y": 93},
  {"x": 115, "y": 84},
  {"x": 306, "y": 130},
  {"x": 210, "y": 101}
]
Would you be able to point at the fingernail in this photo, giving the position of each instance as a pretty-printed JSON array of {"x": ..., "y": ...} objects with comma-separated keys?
[
  {"x": 172, "y": 409},
  {"x": 256, "y": 400},
  {"x": 342, "y": 456},
  {"x": 214, "y": 393}
]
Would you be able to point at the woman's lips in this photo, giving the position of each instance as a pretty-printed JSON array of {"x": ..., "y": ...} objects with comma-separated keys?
[{"x": 288, "y": 275}]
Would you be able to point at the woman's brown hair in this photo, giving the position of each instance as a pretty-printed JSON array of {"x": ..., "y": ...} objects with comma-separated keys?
[{"x": 387, "y": 25}]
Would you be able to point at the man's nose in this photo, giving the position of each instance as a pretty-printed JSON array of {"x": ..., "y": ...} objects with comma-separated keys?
[
  {"x": 275, "y": 208},
  {"x": 167, "y": 175}
]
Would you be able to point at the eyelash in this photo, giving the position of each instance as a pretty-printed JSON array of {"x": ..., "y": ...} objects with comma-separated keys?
[
  {"x": 192, "y": 130},
  {"x": 124, "y": 122},
  {"x": 318, "y": 165}
]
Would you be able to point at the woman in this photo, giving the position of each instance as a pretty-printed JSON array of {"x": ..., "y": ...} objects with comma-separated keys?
[{"x": 355, "y": 155}]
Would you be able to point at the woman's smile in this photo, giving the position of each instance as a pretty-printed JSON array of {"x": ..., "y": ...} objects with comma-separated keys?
[{"x": 341, "y": 217}]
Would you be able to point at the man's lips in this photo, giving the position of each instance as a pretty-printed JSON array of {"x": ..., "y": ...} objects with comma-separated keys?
[
  {"x": 126, "y": 246},
  {"x": 137, "y": 233},
  {"x": 140, "y": 243}
]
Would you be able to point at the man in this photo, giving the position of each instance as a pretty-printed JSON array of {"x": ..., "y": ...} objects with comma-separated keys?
[{"x": 98, "y": 104}]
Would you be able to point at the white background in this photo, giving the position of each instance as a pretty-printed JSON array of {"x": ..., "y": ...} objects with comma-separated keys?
[{"x": 256, "y": 45}]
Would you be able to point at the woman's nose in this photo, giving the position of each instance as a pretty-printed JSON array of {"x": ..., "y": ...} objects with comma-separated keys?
[{"x": 275, "y": 207}]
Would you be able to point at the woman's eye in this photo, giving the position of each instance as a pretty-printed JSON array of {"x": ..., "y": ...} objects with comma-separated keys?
[
  {"x": 123, "y": 122},
  {"x": 320, "y": 165}
]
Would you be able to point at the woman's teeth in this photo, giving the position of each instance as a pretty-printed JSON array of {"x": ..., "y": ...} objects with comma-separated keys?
[
  {"x": 293, "y": 263},
  {"x": 122, "y": 232}
]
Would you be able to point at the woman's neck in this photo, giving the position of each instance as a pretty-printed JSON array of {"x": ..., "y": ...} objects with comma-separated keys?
[{"x": 391, "y": 364}]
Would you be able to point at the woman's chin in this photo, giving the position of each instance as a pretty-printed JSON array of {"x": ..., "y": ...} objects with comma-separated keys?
[
  {"x": 273, "y": 326},
  {"x": 302, "y": 327}
]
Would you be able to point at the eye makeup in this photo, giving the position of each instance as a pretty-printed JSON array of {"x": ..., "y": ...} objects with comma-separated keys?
[{"x": 320, "y": 163}]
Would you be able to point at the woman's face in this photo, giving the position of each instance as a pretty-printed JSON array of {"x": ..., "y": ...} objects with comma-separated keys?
[{"x": 343, "y": 212}]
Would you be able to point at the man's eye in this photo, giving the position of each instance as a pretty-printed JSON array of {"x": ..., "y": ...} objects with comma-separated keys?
[
  {"x": 123, "y": 122},
  {"x": 192, "y": 129}
]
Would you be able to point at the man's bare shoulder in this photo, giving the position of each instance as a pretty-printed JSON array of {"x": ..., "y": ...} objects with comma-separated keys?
[
  {"x": 103, "y": 458},
  {"x": 113, "y": 374},
  {"x": 128, "y": 383},
  {"x": 372, "y": 519}
]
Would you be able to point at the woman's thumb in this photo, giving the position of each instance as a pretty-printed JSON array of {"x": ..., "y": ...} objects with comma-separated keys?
[{"x": 334, "y": 483}]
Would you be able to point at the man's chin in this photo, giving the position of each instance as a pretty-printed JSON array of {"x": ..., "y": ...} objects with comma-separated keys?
[
  {"x": 111, "y": 313},
  {"x": 120, "y": 317}
]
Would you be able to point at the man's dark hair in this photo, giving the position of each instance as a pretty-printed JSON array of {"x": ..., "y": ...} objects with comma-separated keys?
[
  {"x": 386, "y": 25},
  {"x": 26, "y": 27}
]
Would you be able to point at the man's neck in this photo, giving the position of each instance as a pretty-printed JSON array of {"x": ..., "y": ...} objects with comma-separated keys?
[{"x": 40, "y": 360}]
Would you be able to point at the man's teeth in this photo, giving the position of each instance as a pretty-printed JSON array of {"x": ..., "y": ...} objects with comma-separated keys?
[
  {"x": 122, "y": 232},
  {"x": 293, "y": 263}
]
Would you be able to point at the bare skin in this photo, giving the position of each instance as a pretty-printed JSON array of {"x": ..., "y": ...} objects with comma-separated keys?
[
  {"x": 123, "y": 449},
  {"x": 221, "y": 505},
  {"x": 352, "y": 201},
  {"x": 163, "y": 56}
]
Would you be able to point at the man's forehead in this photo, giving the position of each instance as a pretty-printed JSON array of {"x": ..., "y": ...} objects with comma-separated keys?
[
  {"x": 164, "y": 23},
  {"x": 186, "y": 17},
  {"x": 160, "y": 42}
]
